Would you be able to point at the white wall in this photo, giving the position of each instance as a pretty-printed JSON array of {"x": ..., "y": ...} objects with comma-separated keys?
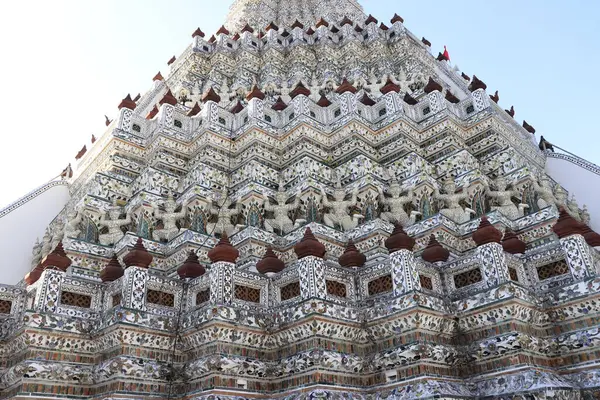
[
  {"x": 20, "y": 228},
  {"x": 577, "y": 180}
]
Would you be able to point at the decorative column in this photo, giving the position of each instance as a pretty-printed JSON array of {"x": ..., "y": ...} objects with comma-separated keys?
[
  {"x": 256, "y": 108},
  {"x": 577, "y": 252},
  {"x": 223, "y": 257},
  {"x": 53, "y": 267},
  {"x": 348, "y": 103},
  {"x": 402, "y": 259},
  {"x": 434, "y": 94},
  {"x": 300, "y": 99},
  {"x": 126, "y": 108},
  {"x": 311, "y": 266},
  {"x": 494, "y": 267},
  {"x": 136, "y": 276},
  {"x": 210, "y": 111},
  {"x": 393, "y": 102},
  {"x": 167, "y": 109},
  {"x": 198, "y": 40},
  {"x": 481, "y": 100}
]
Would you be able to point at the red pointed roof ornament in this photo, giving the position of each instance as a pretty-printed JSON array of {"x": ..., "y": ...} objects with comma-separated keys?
[
  {"x": 93, "y": 139},
  {"x": 390, "y": 87},
  {"x": 152, "y": 113},
  {"x": 566, "y": 225},
  {"x": 279, "y": 105},
  {"x": 237, "y": 108},
  {"x": 323, "y": 101},
  {"x": 67, "y": 172},
  {"x": 138, "y": 256},
  {"x": 57, "y": 259},
  {"x": 247, "y": 28},
  {"x": 198, "y": 32},
  {"x": 309, "y": 246},
  {"x": 34, "y": 275},
  {"x": 451, "y": 98},
  {"x": 397, "y": 18},
  {"x": 357, "y": 28},
  {"x": 297, "y": 24},
  {"x": 495, "y": 97},
  {"x": 236, "y": 37},
  {"x": 432, "y": 86},
  {"x": 107, "y": 121},
  {"x": 270, "y": 263},
  {"x": 512, "y": 244},
  {"x": 158, "y": 77},
  {"x": 511, "y": 112},
  {"x": 346, "y": 87},
  {"x": 271, "y": 26},
  {"x": 168, "y": 98},
  {"x": 435, "y": 252},
  {"x": 399, "y": 240},
  {"x": 384, "y": 27},
  {"x": 446, "y": 54},
  {"x": 486, "y": 233},
  {"x": 310, "y": 31},
  {"x": 408, "y": 99},
  {"x": 222, "y": 31},
  {"x": 346, "y": 21},
  {"x": 223, "y": 251},
  {"x": 139, "y": 96},
  {"x": 366, "y": 100},
  {"x": 212, "y": 39},
  {"x": 81, "y": 152},
  {"x": 194, "y": 111},
  {"x": 300, "y": 89},
  {"x": 112, "y": 271},
  {"x": 211, "y": 95},
  {"x": 321, "y": 23},
  {"x": 352, "y": 257},
  {"x": 191, "y": 268},
  {"x": 528, "y": 127},
  {"x": 171, "y": 60},
  {"x": 476, "y": 84},
  {"x": 371, "y": 20},
  {"x": 426, "y": 42},
  {"x": 465, "y": 76},
  {"x": 127, "y": 103},
  {"x": 255, "y": 93}
]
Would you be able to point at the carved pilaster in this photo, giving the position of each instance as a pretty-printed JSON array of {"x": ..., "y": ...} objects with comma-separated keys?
[
  {"x": 481, "y": 100},
  {"x": 312, "y": 277},
  {"x": 47, "y": 296},
  {"x": 210, "y": 114},
  {"x": 221, "y": 282},
  {"x": 348, "y": 103},
  {"x": 393, "y": 102},
  {"x": 578, "y": 256},
  {"x": 436, "y": 101},
  {"x": 134, "y": 288},
  {"x": 404, "y": 272},
  {"x": 124, "y": 120},
  {"x": 300, "y": 105},
  {"x": 256, "y": 108},
  {"x": 494, "y": 267}
]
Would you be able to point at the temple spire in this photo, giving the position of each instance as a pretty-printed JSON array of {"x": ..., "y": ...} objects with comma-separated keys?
[{"x": 284, "y": 13}]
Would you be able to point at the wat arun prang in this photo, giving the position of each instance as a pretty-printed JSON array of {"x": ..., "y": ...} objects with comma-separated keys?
[{"x": 309, "y": 205}]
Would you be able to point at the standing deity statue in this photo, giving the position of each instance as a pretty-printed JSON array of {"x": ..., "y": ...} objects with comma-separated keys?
[
  {"x": 224, "y": 214},
  {"x": 338, "y": 214},
  {"x": 36, "y": 253},
  {"x": 280, "y": 211},
  {"x": 46, "y": 243},
  {"x": 562, "y": 200},
  {"x": 72, "y": 229},
  {"x": 503, "y": 198},
  {"x": 544, "y": 191},
  {"x": 114, "y": 224},
  {"x": 58, "y": 233},
  {"x": 396, "y": 213},
  {"x": 453, "y": 210},
  {"x": 585, "y": 215},
  {"x": 573, "y": 208},
  {"x": 169, "y": 218}
]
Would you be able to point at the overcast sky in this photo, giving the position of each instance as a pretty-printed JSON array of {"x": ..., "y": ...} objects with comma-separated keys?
[{"x": 67, "y": 63}]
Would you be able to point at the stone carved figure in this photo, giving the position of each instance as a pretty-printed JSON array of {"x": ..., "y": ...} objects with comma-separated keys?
[
  {"x": 453, "y": 209},
  {"x": 224, "y": 214},
  {"x": 281, "y": 218},
  {"x": 46, "y": 243},
  {"x": 585, "y": 215},
  {"x": 503, "y": 198},
  {"x": 544, "y": 191},
  {"x": 169, "y": 218},
  {"x": 58, "y": 233},
  {"x": 573, "y": 208},
  {"x": 72, "y": 229},
  {"x": 338, "y": 214},
  {"x": 36, "y": 253},
  {"x": 114, "y": 224},
  {"x": 396, "y": 213}
]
